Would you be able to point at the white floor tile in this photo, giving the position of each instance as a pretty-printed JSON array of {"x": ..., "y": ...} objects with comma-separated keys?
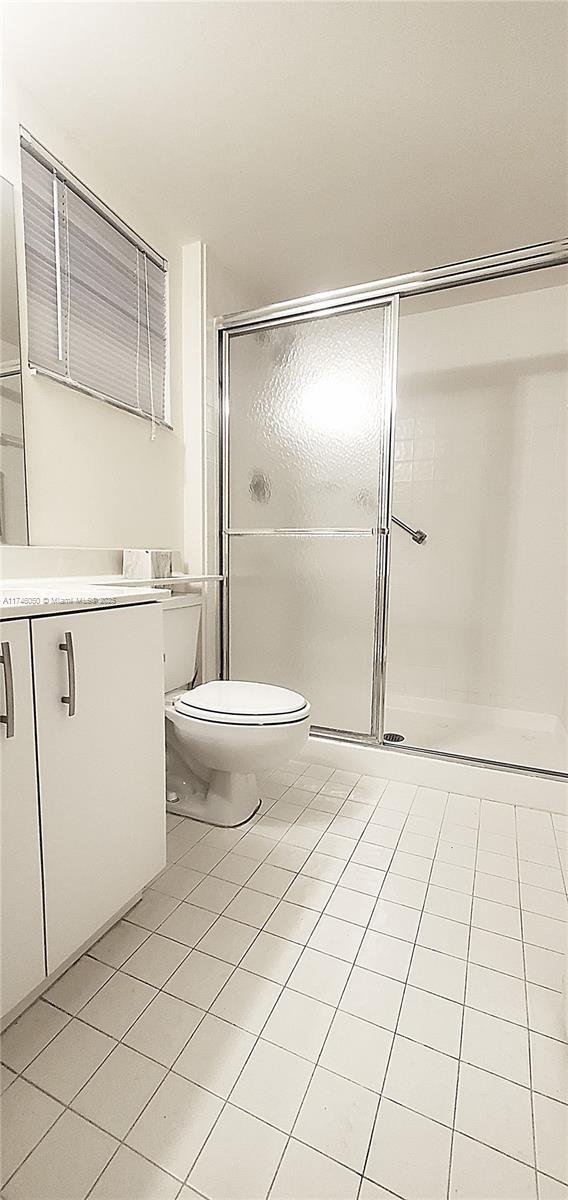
[
  {"x": 493, "y": 887},
  {"x": 341, "y": 939},
  {"x": 299, "y": 1023},
  {"x": 174, "y": 1125},
  {"x": 362, "y": 879},
  {"x": 65, "y": 1164},
  {"x": 214, "y": 894},
  {"x": 411, "y": 866},
  {"x": 544, "y": 931},
  {"x": 6, "y": 1077},
  {"x": 404, "y": 891},
  {"x": 441, "y": 902},
  {"x": 493, "y": 950},
  {"x": 118, "y": 1005},
  {"x": 27, "y": 1114},
  {"x": 387, "y": 955},
  {"x": 493, "y": 992},
  {"x": 496, "y": 1045},
  {"x": 177, "y": 881},
  {"x": 215, "y": 1055},
  {"x": 228, "y": 940},
  {"x": 292, "y": 921},
  {"x": 456, "y": 855},
  {"x": 497, "y": 918},
  {"x": 188, "y": 924},
  {"x": 309, "y": 892},
  {"x": 292, "y": 858},
  {"x": 119, "y": 1090},
  {"x": 307, "y": 1173},
  {"x": 337, "y": 1118},
  {"x": 272, "y": 1085},
  {"x": 246, "y": 1000},
  {"x": 422, "y": 1079},
  {"x": 164, "y": 1028},
  {"x": 118, "y": 944},
  {"x": 228, "y": 1167},
  {"x": 551, "y": 1131},
  {"x": 545, "y": 967},
  {"x": 494, "y": 1111},
  {"x": 27, "y": 1036},
  {"x": 199, "y": 979},
  {"x": 417, "y": 843},
  {"x": 497, "y": 864},
  {"x": 272, "y": 957},
  {"x": 337, "y": 846},
  {"x": 438, "y": 933},
  {"x": 152, "y": 909},
  {"x": 69, "y": 1060},
  {"x": 358, "y": 1050},
  {"x": 549, "y": 1060},
  {"x": 542, "y": 876},
  {"x": 235, "y": 868},
  {"x": 323, "y": 866},
  {"x": 409, "y": 1154},
  {"x": 251, "y": 908},
  {"x": 155, "y": 960},
  {"x": 350, "y": 906},
  {"x": 370, "y": 854},
  {"x": 273, "y": 881},
  {"x": 543, "y": 901},
  {"x": 438, "y": 973},
  {"x": 457, "y": 879},
  {"x": 546, "y": 1012},
  {"x": 396, "y": 920},
  {"x": 72, "y": 991},
  {"x": 373, "y": 997},
  {"x": 205, "y": 858},
  {"x": 130, "y": 1177},
  {"x": 380, "y": 835},
  {"x": 551, "y": 1189},
  {"x": 474, "y": 1165},
  {"x": 431, "y": 1020},
  {"x": 320, "y": 976}
]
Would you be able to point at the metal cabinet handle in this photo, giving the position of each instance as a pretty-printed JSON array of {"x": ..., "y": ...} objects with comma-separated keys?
[
  {"x": 71, "y": 699},
  {"x": 9, "y": 719}
]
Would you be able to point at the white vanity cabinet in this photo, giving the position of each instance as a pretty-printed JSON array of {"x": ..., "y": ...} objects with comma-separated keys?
[
  {"x": 21, "y": 914},
  {"x": 89, "y": 726}
]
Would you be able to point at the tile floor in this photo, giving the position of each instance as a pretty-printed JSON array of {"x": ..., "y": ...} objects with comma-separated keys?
[{"x": 358, "y": 996}]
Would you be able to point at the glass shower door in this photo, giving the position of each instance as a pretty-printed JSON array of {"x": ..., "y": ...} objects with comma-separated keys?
[{"x": 306, "y": 448}]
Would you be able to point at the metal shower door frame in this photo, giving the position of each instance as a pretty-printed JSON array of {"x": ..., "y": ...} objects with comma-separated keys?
[
  {"x": 380, "y": 532},
  {"x": 517, "y": 261}
]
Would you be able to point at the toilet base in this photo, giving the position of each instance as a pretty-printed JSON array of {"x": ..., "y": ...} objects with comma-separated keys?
[{"x": 231, "y": 799}]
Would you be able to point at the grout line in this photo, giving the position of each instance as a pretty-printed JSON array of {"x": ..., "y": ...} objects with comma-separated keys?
[
  {"x": 463, "y": 1013},
  {"x": 374, "y": 1126},
  {"x": 529, "y": 1048}
]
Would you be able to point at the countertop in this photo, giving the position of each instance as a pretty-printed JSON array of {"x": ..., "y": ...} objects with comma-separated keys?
[{"x": 45, "y": 597}]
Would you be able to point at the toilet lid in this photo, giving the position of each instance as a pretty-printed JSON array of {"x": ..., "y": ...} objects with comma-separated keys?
[{"x": 235, "y": 702}]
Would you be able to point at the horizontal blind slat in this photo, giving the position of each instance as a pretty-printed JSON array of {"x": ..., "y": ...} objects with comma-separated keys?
[{"x": 113, "y": 299}]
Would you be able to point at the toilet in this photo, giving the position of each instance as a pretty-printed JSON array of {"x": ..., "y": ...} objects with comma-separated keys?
[{"x": 221, "y": 733}]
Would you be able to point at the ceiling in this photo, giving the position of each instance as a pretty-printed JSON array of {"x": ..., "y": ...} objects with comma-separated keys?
[{"x": 316, "y": 145}]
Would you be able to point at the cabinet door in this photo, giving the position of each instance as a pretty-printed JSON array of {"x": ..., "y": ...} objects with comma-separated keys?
[
  {"x": 101, "y": 767},
  {"x": 23, "y": 957}
]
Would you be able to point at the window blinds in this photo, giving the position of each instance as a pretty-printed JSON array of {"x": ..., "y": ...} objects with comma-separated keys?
[{"x": 96, "y": 294}]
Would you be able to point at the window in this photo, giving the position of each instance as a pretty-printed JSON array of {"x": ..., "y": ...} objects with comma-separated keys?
[{"x": 96, "y": 293}]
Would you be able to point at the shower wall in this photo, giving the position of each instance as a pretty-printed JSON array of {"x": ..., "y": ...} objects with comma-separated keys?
[{"x": 478, "y": 613}]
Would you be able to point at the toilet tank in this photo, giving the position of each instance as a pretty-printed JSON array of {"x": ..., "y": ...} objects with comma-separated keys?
[{"x": 181, "y": 631}]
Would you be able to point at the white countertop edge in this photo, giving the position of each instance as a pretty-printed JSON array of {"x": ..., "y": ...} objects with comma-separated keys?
[{"x": 47, "y": 597}]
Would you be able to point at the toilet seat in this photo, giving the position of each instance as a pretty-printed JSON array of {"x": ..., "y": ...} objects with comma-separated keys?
[{"x": 238, "y": 702}]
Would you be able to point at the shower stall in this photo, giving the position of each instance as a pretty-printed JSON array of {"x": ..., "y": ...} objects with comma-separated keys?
[{"x": 393, "y": 503}]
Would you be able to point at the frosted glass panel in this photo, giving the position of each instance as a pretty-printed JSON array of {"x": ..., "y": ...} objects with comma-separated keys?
[
  {"x": 302, "y": 616},
  {"x": 305, "y": 423},
  {"x": 477, "y": 617}
]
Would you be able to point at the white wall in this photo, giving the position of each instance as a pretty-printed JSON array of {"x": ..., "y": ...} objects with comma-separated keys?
[
  {"x": 95, "y": 478},
  {"x": 478, "y": 613}
]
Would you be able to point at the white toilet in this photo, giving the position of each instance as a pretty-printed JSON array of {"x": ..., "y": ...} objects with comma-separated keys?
[{"x": 218, "y": 735}]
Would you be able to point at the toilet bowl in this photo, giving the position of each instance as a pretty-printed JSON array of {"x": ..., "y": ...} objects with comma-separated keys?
[{"x": 218, "y": 735}]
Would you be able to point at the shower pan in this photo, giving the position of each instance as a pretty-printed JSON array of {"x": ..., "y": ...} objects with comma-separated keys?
[{"x": 360, "y": 529}]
